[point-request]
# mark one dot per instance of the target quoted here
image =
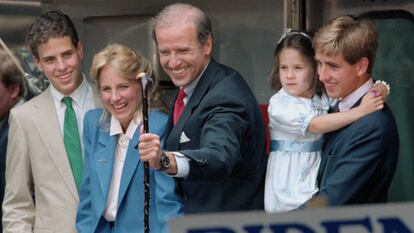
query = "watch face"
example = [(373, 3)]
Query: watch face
[(165, 161)]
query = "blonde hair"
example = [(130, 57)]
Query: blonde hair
[(354, 38), (128, 63)]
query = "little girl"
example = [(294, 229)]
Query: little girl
[(297, 120)]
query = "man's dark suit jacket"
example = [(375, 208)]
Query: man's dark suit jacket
[(359, 161), (221, 131), (4, 131)]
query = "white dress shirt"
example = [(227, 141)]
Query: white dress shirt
[(83, 100), (183, 165), (120, 154), (347, 102)]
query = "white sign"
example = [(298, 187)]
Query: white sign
[(387, 218)]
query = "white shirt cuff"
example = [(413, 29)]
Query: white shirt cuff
[(183, 165)]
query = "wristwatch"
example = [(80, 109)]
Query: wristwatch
[(164, 161)]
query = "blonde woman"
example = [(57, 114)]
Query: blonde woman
[(112, 192)]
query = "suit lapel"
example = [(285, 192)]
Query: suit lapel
[(358, 102), (170, 124), (3, 140), (104, 158), (200, 90), (325, 153), (331, 140), (4, 128), (130, 166), (46, 118)]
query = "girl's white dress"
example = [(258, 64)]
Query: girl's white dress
[(295, 153)]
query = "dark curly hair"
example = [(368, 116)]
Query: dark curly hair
[(50, 24)]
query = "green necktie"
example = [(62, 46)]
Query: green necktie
[(72, 141)]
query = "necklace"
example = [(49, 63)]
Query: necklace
[(123, 140)]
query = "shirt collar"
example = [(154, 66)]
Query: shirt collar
[(349, 101), (190, 88), (78, 96), (116, 127)]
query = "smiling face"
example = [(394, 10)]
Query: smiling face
[(60, 61), (338, 76), (296, 73), (121, 96), (182, 56)]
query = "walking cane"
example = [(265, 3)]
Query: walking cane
[(146, 83)]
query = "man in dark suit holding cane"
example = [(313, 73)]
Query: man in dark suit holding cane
[(216, 135)]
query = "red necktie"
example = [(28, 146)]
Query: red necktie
[(179, 105)]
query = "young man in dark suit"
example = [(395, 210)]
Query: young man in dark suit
[(216, 135), (359, 160)]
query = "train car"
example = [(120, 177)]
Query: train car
[(245, 34)]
